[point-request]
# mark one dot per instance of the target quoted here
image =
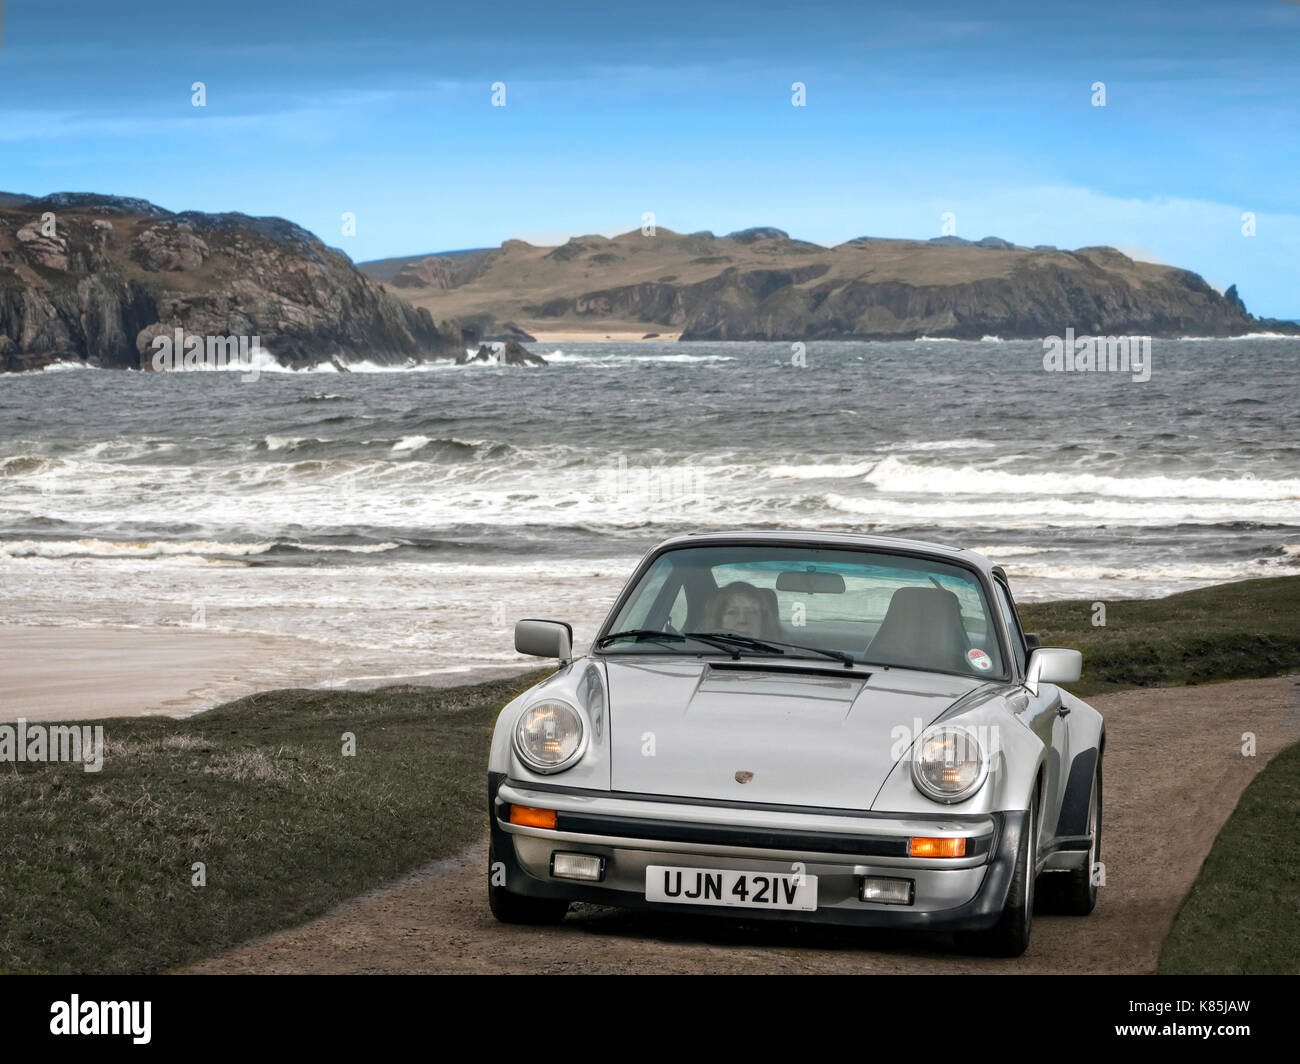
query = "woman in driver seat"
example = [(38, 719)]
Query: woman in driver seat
[(743, 609)]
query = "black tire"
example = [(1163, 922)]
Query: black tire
[(519, 908), (1010, 936), (1075, 893)]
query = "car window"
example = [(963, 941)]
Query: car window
[(884, 609), (677, 615), (1013, 623), (647, 594)]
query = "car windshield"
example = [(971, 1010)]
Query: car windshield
[(854, 606)]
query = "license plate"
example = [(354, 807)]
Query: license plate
[(717, 886)]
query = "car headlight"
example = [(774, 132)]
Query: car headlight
[(949, 764), (549, 736)]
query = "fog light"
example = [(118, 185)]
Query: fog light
[(918, 847), (887, 891), (530, 817), (577, 866)]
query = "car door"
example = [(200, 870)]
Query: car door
[(1046, 719)]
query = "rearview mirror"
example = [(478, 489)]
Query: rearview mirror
[(544, 639), (810, 582), (1053, 665)]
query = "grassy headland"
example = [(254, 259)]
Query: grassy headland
[(1227, 632)]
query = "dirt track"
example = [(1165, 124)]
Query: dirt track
[(1174, 772)]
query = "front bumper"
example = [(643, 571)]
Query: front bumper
[(633, 831)]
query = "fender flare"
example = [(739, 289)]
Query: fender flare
[(1073, 821)]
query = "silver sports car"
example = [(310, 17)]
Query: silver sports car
[(802, 726)]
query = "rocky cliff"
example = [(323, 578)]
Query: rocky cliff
[(96, 278), (759, 284)]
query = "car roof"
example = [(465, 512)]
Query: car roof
[(892, 544)]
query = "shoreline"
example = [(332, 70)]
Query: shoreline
[(61, 673)]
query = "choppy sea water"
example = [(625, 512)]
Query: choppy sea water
[(413, 515)]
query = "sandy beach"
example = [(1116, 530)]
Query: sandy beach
[(572, 336), (67, 673)]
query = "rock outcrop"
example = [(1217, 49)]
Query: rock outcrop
[(94, 279), (511, 353)]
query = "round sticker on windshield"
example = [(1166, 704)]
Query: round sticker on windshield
[(979, 659)]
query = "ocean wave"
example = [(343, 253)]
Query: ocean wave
[(1157, 573), (1037, 512), (286, 443), (1244, 336), (892, 475), (477, 366), (946, 445), (368, 366), (66, 367), (125, 450), (684, 358), (102, 548), (26, 465), (820, 471), (60, 563), (433, 482), (349, 548), (560, 357), (352, 451), (1015, 550)]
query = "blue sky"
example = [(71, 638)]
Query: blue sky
[(682, 109)]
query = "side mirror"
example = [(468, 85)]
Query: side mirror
[(545, 639), (1032, 641), (1053, 665)]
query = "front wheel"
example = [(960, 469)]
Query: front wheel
[(519, 908), (1010, 936)]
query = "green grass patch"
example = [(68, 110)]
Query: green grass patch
[(1227, 632), (96, 868), (1243, 913)]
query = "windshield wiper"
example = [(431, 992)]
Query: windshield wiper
[(727, 642), (649, 635), (776, 645)]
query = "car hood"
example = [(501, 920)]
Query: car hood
[(818, 738)]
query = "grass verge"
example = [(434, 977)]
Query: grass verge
[(1243, 912), (96, 869), (1228, 632)]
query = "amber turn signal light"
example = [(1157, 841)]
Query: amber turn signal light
[(918, 847), (529, 817)]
